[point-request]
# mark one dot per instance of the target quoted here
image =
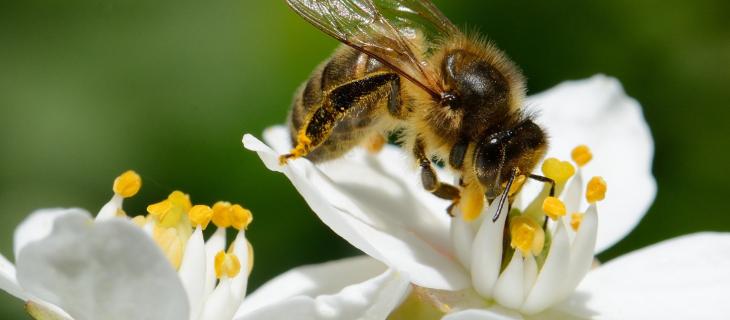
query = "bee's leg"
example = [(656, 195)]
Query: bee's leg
[(336, 104), (430, 180)]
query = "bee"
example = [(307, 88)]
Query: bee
[(403, 66)]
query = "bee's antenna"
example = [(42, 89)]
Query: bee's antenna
[(504, 196)]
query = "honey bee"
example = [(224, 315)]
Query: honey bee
[(404, 66)]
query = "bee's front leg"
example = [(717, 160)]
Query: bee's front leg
[(336, 104), (430, 180)]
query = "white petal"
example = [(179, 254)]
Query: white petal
[(597, 112), (372, 299), (216, 243), (221, 303), (192, 272), (581, 252), (40, 310), (37, 226), (681, 278), (486, 258), (530, 274), (573, 193), (549, 280), (103, 270), (110, 209), (509, 290), (493, 313), (462, 237), (313, 280), (378, 211), (8, 283), (240, 282)]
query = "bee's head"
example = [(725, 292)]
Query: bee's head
[(514, 151)]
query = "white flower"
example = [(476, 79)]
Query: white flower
[(377, 204), (70, 266)]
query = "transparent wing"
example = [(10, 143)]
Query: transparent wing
[(399, 33)]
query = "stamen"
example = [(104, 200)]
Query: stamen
[(581, 155), (170, 243), (553, 207), (240, 217), (127, 184), (472, 201), (226, 264), (575, 220), (221, 215), (517, 184), (596, 190), (527, 236), (169, 212), (560, 171), (200, 215)]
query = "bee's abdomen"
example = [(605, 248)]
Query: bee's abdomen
[(345, 65)]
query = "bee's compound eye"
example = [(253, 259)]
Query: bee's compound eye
[(448, 99)]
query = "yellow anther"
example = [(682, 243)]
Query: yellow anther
[(517, 184), (221, 214), (575, 220), (472, 201), (240, 217), (527, 235), (127, 184), (200, 215), (171, 244), (560, 171), (553, 207), (170, 211), (581, 155), (596, 190), (226, 265)]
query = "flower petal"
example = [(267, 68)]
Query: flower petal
[(240, 282), (682, 278), (372, 299), (486, 258), (509, 289), (38, 225), (103, 270), (493, 313), (550, 278), (581, 252), (377, 210), (216, 243), (192, 272), (40, 310), (8, 283), (597, 112), (313, 280), (221, 303)]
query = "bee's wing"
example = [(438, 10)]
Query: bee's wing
[(392, 31)]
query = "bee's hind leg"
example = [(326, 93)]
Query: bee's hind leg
[(430, 180), (336, 104)]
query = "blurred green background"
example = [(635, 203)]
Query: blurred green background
[(91, 88)]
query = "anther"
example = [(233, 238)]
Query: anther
[(200, 215), (169, 211), (553, 207), (226, 265), (527, 236), (575, 220), (596, 190), (581, 155), (517, 184), (221, 216), (240, 217), (127, 184), (472, 201), (559, 171)]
